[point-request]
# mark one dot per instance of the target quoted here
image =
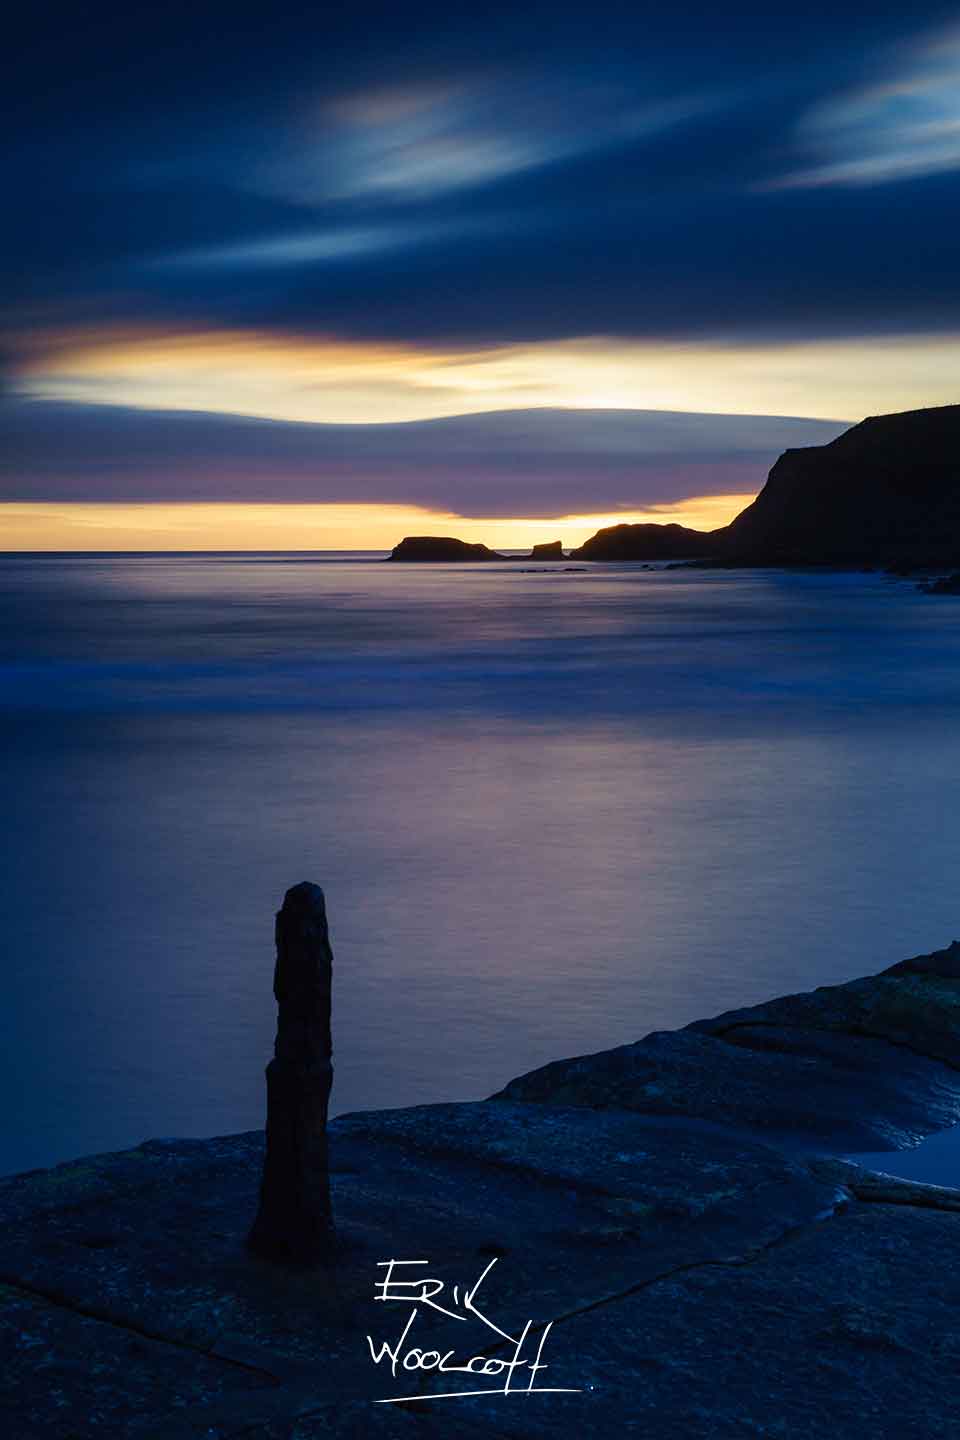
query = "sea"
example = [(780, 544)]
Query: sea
[(552, 808)]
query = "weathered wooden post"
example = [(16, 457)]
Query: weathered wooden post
[(295, 1221)]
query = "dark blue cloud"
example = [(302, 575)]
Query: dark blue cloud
[(517, 172)]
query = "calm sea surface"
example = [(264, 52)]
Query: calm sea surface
[(551, 811)]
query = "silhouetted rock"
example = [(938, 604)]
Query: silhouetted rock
[(647, 542), (948, 585), (885, 492), (420, 548), (294, 1222)]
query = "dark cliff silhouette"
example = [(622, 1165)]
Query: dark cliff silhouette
[(885, 492)]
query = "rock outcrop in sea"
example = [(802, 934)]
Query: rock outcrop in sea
[(420, 548), (676, 1228), (647, 542)]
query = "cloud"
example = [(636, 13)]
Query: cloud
[(513, 463), (322, 379), (502, 175), (323, 245), (904, 124), (414, 143)]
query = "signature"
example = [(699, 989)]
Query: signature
[(514, 1376)]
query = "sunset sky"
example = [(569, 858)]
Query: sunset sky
[(317, 277)]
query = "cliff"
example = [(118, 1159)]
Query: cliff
[(886, 492), (676, 1220)]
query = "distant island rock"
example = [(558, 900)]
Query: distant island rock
[(419, 548), (647, 542)]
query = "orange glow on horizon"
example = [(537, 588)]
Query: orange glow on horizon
[(219, 526), (335, 380)]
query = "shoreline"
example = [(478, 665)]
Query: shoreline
[(638, 1203)]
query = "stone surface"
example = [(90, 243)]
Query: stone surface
[(293, 1221), (574, 1208), (61, 1365), (549, 550), (844, 1329), (871, 1065), (672, 1219)]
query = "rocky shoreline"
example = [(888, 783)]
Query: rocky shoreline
[(883, 494), (678, 1220)]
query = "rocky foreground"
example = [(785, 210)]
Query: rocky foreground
[(679, 1212)]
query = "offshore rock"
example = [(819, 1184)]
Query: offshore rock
[(420, 548), (549, 550), (648, 542)]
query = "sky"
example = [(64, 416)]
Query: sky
[(318, 276)]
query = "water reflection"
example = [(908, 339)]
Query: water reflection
[(551, 812)]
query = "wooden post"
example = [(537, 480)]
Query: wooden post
[(294, 1223)]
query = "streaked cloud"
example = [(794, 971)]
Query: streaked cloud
[(328, 245), (903, 125), (412, 143), (485, 179)]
